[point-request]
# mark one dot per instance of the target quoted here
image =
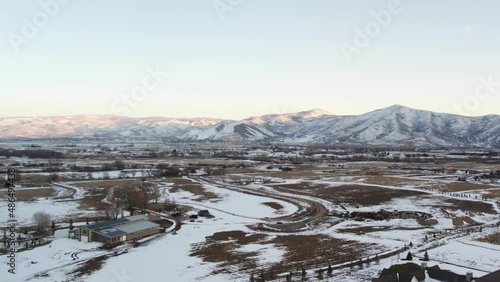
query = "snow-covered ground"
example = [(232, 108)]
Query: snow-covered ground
[(25, 210), (168, 256), (236, 203), (56, 256)]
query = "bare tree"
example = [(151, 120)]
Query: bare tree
[(153, 192), (113, 210), (53, 177), (42, 221)]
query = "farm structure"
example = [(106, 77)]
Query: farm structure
[(118, 230)]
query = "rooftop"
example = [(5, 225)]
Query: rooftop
[(115, 222)]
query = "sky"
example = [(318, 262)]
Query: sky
[(239, 58)]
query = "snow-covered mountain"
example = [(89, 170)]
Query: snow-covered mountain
[(395, 125)]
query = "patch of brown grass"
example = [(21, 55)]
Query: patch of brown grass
[(469, 220), (219, 248), (273, 205), (427, 222), (471, 206), (492, 193), (90, 266), (93, 198), (492, 238), (105, 183), (462, 186), (364, 229), (457, 221), (192, 187), (28, 194), (301, 251), (310, 250), (391, 181), (353, 194), (42, 180)]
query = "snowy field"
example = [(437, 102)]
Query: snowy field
[(235, 203), (25, 210), (56, 257), (169, 255)]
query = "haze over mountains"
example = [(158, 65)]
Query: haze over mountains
[(395, 125)]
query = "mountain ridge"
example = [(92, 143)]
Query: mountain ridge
[(394, 125)]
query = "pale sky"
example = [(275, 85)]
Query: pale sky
[(238, 58)]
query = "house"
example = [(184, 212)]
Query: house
[(411, 272), (118, 230), (173, 210), (439, 274), (204, 213), (492, 277)]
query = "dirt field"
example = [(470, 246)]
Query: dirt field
[(29, 194), (351, 194), (192, 187), (459, 186), (221, 246), (470, 206), (392, 181), (273, 205), (427, 222), (492, 193), (492, 239), (105, 183)]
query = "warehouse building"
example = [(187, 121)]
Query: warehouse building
[(118, 230)]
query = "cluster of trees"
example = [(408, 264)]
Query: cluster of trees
[(42, 154), (131, 196), (492, 174)]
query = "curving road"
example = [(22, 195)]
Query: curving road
[(303, 219)]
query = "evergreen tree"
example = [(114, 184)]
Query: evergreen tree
[(304, 273), (320, 274), (70, 224), (411, 244), (53, 224), (409, 256), (252, 279), (360, 263), (426, 256), (330, 270)]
